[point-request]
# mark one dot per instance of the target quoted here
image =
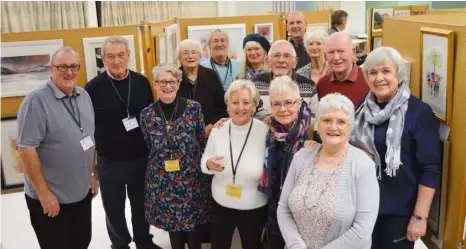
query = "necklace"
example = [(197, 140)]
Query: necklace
[(171, 118)]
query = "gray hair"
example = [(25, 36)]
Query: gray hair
[(188, 44), (209, 40), (167, 68), (64, 50), (282, 84), (383, 55), (279, 42), (117, 40), (243, 84), (314, 34), (337, 101)]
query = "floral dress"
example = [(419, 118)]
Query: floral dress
[(176, 200)]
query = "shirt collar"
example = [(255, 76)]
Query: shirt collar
[(58, 93), (113, 78), (353, 76)]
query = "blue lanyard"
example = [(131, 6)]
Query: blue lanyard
[(229, 69)]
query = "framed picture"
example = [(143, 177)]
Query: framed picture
[(236, 34), (25, 65), (377, 18), (418, 13), (322, 26), (12, 168), (264, 29), (406, 12), (376, 42), (173, 38), (437, 51), (160, 41), (93, 55)]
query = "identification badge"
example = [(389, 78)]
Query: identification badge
[(86, 143), (172, 165), (233, 191), (130, 123)]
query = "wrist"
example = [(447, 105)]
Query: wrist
[(420, 217)]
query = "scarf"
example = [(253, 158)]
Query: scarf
[(250, 73), (369, 114)]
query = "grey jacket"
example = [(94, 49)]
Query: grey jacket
[(356, 207)]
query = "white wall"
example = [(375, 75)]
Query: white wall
[(244, 8), (356, 16)]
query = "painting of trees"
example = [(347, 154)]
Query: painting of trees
[(434, 58)]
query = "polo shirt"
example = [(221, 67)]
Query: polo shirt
[(354, 87), (226, 77), (45, 123)]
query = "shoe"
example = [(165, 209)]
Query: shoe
[(151, 245)]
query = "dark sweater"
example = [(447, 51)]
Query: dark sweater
[(303, 57), (112, 139)]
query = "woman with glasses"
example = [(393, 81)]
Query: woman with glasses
[(330, 197), (176, 199)]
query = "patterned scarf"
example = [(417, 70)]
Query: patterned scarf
[(250, 73), (369, 114)]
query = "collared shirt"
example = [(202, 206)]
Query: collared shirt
[(45, 123), (222, 72), (353, 76), (113, 78)]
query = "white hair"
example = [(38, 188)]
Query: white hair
[(383, 55), (64, 50), (209, 40), (314, 34), (238, 85), (282, 84), (117, 40), (167, 68), (279, 42), (188, 44), (337, 101)]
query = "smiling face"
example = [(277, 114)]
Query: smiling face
[(67, 80), (254, 53), (240, 106), (340, 53), (282, 61), (189, 57), (116, 58), (296, 25), (334, 127), (285, 106), (218, 44), (166, 86), (383, 81), (315, 48)]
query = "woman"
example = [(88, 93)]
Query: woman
[(235, 156), (330, 197), (400, 132), (200, 84), (314, 42), (254, 60), (173, 128)]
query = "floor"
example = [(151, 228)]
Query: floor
[(17, 233)]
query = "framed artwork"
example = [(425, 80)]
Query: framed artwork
[(93, 55), (173, 38), (418, 13), (377, 18), (236, 34), (160, 48), (376, 42), (437, 52), (406, 12), (322, 26), (25, 65), (264, 29), (12, 168)]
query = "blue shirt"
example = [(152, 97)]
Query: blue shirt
[(226, 75)]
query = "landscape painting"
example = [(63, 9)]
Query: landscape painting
[(12, 168), (378, 16)]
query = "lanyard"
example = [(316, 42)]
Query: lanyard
[(118, 93), (229, 69), (233, 166), (71, 112)]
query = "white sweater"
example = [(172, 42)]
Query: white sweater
[(249, 168)]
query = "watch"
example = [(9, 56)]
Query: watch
[(417, 217)]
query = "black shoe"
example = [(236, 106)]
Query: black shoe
[(151, 245)]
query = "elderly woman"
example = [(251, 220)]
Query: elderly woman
[(173, 128), (235, 156), (400, 132), (200, 84), (330, 197), (254, 61), (314, 41)]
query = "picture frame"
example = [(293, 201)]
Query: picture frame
[(25, 65), (264, 29), (321, 26), (236, 34), (403, 12), (378, 16), (173, 39), (437, 64), (160, 48), (93, 55), (376, 42), (12, 171)]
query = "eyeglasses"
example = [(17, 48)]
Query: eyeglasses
[(164, 83), (277, 56), (63, 68), (340, 123), (287, 104)]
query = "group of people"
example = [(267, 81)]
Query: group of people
[(294, 147)]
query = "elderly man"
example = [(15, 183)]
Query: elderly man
[(56, 146), (346, 77), (282, 61), (339, 18), (226, 68), (118, 96), (296, 27)]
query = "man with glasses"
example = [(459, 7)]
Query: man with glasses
[(56, 145), (118, 96), (282, 61)]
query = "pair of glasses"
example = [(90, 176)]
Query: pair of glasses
[(277, 56), (63, 68), (287, 104), (340, 123), (164, 83)]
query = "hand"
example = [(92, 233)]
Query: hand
[(220, 122), (94, 186), (49, 203), (416, 229), (214, 164), (268, 120), (208, 129), (310, 143)]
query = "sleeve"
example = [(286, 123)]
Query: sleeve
[(319, 88), (367, 209), (200, 128), (144, 128), (31, 122), (209, 151), (285, 219), (220, 107)]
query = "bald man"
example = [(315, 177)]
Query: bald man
[(346, 77), (296, 27)]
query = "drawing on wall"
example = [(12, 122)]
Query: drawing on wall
[(264, 29), (402, 12), (236, 34), (93, 55), (173, 38), (25, 65), (12, 168), (378, 16), (321, 26)]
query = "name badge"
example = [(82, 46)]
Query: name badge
[(235, 192), (86, 143), (130, 123), (172, 165)]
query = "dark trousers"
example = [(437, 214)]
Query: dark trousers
[(178, 240), (275, 241), (250, 224), (70, 229), (115, 178), (388, 228)]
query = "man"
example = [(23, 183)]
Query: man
[(118, 96), (226, 68), (339, 18), (346, 77), (282, 61), (296, 27), (56, 146)]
